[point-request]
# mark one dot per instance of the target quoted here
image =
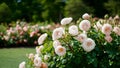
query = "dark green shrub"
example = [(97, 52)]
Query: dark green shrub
[(5, 12)]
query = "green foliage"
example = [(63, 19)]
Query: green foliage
[(55, 10), (5, 12), (98, 5), (113, 6), (75, 8), (28, 10), (52, 9)]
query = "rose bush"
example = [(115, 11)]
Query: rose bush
[(22, 34), (89, 43)]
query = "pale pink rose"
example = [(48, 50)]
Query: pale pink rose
[(81, 37), (42, 38), (6, 37), (110, 18), (56, 43), (73, 30), (31, 56), (116, 17), (106, 29), (22, 65), (108, 38), (86, 16), (25, 28), (38, 34), (58, 33), (117, 30), (60, 50), (35, 42), (88, 45), (37, 62), (42, 27), (12, 30), (8, 32), (65, 21), (39, 49), (18, 27), (44, 65), (84, 25), (32, 34), (25, 40), (22, 32)]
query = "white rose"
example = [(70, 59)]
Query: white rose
[(65, 21), (73, 30)]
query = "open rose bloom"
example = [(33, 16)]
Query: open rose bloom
[(73, 30), (42, 38), (65, 21), (117, 30), (60, 50), (108, 38), (88, 45), (81, 37), (86, 16), (84, 25), (106, 29), (58, 33), (37, 62)]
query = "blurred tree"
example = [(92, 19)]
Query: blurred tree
[(5, 12), (28, 10), (52, 9), (35, 10), (76, 8), (98, 5), (24, 9), (113, 6)]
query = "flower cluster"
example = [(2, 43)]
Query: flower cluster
[(22, 33), (88, 44), (35, 58)]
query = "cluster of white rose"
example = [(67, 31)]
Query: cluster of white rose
[(88, 44), (107, 28), (36, 59)]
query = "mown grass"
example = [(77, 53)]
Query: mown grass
[(11, 57)]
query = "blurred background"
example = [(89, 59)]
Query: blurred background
[(55, 10)]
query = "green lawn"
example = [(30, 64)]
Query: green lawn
[(11, 57)]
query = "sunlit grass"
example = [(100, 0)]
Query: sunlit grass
[(11, 57)]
